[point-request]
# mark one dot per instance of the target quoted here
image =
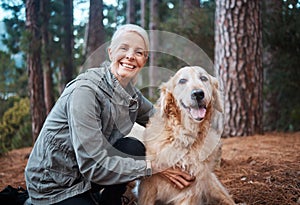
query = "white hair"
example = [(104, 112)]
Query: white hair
[(130, 28)]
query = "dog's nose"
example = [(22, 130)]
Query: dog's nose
[(197, 95)]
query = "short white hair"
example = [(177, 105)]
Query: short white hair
[(130, 28)]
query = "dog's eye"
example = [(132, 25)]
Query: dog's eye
[(182, 81), (203, 78)]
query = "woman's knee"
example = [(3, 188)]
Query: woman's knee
[(130, 145)]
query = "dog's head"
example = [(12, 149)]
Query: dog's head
[(193, 91)]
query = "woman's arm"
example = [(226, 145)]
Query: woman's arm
[(91, 146)]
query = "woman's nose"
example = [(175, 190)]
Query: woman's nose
[(130, 55)]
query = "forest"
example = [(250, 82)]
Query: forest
[(252, 46), (255, 54)]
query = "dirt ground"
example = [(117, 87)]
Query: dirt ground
[(261, 169)]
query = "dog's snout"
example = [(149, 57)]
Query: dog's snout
[(197, 94)]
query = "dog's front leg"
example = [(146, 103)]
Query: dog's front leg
[(218, 192), (186, 202), (147, 192)]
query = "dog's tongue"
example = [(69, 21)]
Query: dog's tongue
[(198, 113)]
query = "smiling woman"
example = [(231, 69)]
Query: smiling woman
[(88, 125), (128, 53)]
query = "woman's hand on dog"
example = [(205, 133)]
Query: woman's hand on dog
[(177, 176)]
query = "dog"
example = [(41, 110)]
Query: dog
[(184, 133)]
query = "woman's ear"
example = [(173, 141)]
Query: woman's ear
[(110, 54), (146, 56)]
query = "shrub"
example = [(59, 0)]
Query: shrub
[(15, 126)]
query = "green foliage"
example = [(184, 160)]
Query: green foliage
[(78, 48), (198, 27), (13, 80), (7, 68), (282, 37), (14, 25), (6, 103), (15, 126)]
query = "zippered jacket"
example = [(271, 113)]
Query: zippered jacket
[(74, 147)]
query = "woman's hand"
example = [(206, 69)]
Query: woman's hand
[(178, 177)]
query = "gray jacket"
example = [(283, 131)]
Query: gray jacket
[(74, 146)]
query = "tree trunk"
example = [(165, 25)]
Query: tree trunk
[(143, 13), (95, 30), (67, 72), (130, 12), (48, 81), (153, 25), (189, 7), (238, 61), (35, 73)]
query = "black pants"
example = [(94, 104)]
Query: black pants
[(112, 194)]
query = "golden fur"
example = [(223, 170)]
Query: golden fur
[(180, 134)]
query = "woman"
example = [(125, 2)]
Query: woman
[(73, 156)]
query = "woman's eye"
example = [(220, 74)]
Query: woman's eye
[(203, 78), (139, 53), (182, 81), (123, 48)]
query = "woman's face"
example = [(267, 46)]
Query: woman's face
[(127, 56)]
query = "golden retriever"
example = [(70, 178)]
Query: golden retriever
[(182, 133)]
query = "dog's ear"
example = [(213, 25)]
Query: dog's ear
[(163, 99), (218, 99), (166, 101)]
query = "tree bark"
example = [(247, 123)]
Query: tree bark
[(35, 73), (143, 13), (130, 12), (187, 9), (153, 25), (238, 61), (48, 81), (95, 34), (68, 42)]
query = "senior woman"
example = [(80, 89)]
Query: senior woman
[(81, 148)]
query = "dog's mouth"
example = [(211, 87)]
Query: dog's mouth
[(197, 111)]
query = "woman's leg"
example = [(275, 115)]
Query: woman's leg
[(132, 148), (81, 199)]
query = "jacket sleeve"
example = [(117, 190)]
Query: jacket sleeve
[(90, 145)]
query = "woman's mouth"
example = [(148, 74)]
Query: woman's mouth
[(128, 65)]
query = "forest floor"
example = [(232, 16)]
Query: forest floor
[(260, 169)]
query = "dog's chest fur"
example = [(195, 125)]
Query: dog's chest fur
[(179, 147)]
